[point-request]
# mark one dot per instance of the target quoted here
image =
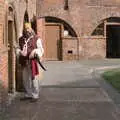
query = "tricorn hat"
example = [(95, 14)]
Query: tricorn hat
[(27, 25)]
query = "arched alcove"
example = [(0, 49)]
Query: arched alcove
[(99, 30), (61, 40)]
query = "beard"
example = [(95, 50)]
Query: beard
[(28, 34)]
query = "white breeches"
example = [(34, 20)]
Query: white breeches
[(32, 87)]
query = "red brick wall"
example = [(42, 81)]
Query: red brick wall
[(70, 48), (83, 16), (41, 27), (3, 58), (41, 31), (92, 47), (89, 48), (4, 70), (3, 48)]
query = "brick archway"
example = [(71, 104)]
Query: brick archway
[(57, 34)]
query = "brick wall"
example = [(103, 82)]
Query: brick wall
[(3, 49), (41, 28), (70, 48), (83, 16), (89, 48), (3, 59), (92, 47), (19, 7), (41, 31)]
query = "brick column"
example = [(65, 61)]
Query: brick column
[(41, 31)]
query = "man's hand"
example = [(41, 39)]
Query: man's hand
[(18, 51)]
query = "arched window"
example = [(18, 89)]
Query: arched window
[(99, 30)]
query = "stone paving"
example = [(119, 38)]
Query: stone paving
[(69, 91)]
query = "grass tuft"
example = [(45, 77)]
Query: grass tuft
[(113, 77)]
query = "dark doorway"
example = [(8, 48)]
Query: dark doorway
[(113, 41)]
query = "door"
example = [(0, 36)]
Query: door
[(53, 41)]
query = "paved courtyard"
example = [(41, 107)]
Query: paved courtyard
[(70, 91)]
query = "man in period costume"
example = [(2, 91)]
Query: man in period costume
[(30, 49)]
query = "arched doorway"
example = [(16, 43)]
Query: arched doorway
[(56, 30)]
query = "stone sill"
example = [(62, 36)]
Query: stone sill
[(105, 5), (86, 37), (94, 37), (69, 38)]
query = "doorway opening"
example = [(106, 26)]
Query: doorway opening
[(113, 41)]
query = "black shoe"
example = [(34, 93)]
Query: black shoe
[(34, 100), (25, 98)]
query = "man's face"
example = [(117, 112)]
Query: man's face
[(27, 32), (28, 29)]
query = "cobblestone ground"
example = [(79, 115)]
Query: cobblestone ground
[(65, 104), (69, 92)]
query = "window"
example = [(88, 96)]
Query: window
[(66, 7), (99, 30)]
